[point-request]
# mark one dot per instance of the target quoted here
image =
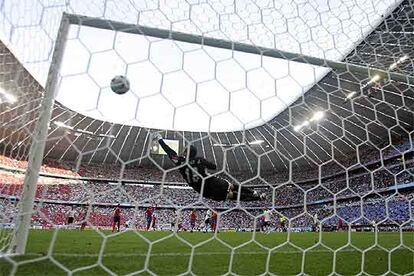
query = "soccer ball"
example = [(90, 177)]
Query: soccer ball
[(120, 85)]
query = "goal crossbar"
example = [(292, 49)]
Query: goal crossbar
[(235, 46)]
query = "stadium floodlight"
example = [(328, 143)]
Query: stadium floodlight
[(403, 58), (297, 128), (302, 125), (9, 97), (399, 61), (351, 95), (62, 125), (318, 115), (100, 135), (228, 145), (305, 123), (78, 131), (393, 66), (256, 142), (375, 78)]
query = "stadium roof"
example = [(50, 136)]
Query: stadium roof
[(181, 86), (349, 119)]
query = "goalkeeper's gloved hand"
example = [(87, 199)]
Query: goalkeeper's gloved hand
[(157, 136)]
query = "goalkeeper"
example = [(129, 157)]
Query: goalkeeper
[(194, 171)]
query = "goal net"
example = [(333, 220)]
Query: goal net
[(308, 103)]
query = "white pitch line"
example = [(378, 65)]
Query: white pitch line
[(189, 254)]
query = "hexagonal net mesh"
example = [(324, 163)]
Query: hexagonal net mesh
[(301, 115)]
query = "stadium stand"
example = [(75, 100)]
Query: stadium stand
[(62, 186)]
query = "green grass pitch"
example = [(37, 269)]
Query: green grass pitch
[(50, 252)]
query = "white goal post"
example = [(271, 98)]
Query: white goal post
[(37, 147)]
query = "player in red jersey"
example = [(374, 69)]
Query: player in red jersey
[(340, 225), (148, 216), (154, 221), (214, 221), (193, 219), (117, 219)]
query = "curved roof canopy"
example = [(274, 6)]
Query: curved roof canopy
[(181, 86)]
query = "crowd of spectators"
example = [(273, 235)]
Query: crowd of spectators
[(366, 155), (289, 194), (55, 195), (96, 171), (394, 210), (136, 194), (49, 166)]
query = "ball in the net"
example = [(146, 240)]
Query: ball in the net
[(120, 85)]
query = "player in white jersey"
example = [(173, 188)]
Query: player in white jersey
[(129, 224), (315, 226), (207, 220), (178, 224), (71, 216)]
